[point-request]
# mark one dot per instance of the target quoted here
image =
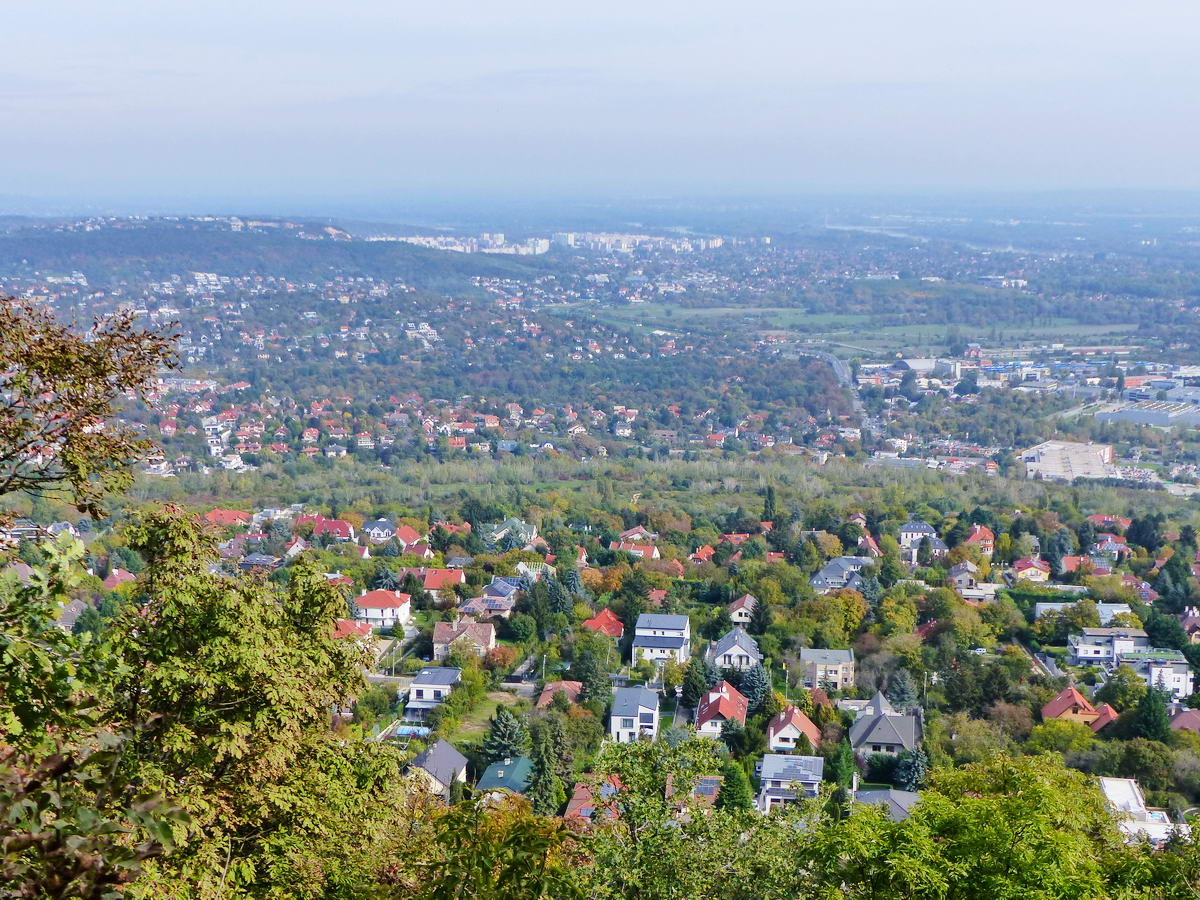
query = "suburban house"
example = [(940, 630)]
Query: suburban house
[(486, 607), (227, 518), (1031, 569), (429, 688), (639, 534), (634, 714), (982, 537), (839, 573), (787, 778), (1167, 670), (827, 669), (1136, 821), (898, 804), (964, 575), (512, 530), (592, 797), (734, 650), (606, 622), (480, 637), (1103, 645), (442, 766), (382, 609), (913, 532), (570, 689), (724, 703), (880, 729), (346, 628), (338, 529), (1074, 707), (741, 610), (658, 637), (786, 727), (641, 551), (506, 776), (379, 530)]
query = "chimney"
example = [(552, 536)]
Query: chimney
[(508, 760)]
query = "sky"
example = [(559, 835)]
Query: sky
[(215, 100)]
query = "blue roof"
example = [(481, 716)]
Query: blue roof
[(508, 775)]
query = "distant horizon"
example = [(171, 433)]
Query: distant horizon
[(896, 200), (138, 102)]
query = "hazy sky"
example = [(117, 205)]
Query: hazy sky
[(280, 98)]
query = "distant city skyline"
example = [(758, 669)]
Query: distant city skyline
[(276, 102)]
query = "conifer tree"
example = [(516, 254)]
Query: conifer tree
[(506, 737)]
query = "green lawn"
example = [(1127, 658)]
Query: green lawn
[(475, 725)]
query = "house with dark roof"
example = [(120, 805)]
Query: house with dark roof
[(838, 573), (785, 778), (898, 804), (658, 637), (379, 531), (429, 689), (441, 766), (634, 715), (734, 650), (506, 776), (879, 729)]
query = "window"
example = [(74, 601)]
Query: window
[(420, 693), (646, 718), (627, 723), (875, 748)]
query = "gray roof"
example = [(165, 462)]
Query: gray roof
[(884, 729), (736, 637), (380, 524), (879, 704), (662, 622), (898, 804), (438, 675), (918, 527), (826, 657), (785, 767), (658, 642), (441, 760), (630, 700)]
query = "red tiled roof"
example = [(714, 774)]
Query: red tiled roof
[(1107, 714), (347, 628), (606, 622), (793, 715), (1064, 702), (226, 517), (570, 688), (725, 701), (381, 599)]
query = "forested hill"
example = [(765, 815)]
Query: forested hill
[(161, 249)]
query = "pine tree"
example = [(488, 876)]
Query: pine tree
[(506, 737), (902, 690), (841, 765), (735, 789), (545, 792), (769, 509), (712, 674), (694, 684), (559, 597), (755, 686), (760, 617), (911, 769), (1150, 718)]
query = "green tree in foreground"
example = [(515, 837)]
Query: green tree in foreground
[(735, 788), (58, 386)]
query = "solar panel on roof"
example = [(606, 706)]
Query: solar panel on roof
[(706, 789)]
